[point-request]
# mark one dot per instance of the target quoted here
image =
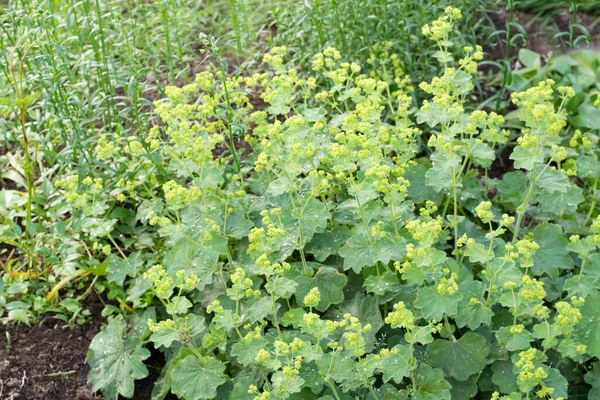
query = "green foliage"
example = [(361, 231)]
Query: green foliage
[(295, 235), (373, 31), (116, 361), (337, 259)]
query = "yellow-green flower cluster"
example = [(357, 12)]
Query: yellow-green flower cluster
[(441, 28), (425, 230), (536, 109), (215, 307), (106, 249), (527, 247), (530, 375), (106, 148), (447, 285), (265, 240), (532, 289), (326, 60), (275, 57), (160, 280), (165, 325), (581, 139), (386, 67), (401, 317), (177, 196), (429, 209), (469, 62), (267, 268), (568, 315), (241, 286), (483, 211), (313, 298), (353, 335)]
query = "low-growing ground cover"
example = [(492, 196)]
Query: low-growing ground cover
[(335, 228)]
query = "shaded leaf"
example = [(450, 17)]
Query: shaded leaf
[(459, 358), (191, 380)]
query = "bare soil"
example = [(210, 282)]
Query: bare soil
[(46, 361)]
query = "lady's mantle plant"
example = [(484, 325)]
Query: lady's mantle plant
[(360, 250)]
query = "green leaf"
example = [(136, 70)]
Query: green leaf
[(343, 368), (483, 155), (246, 350), (440, 175), (115, 361), (478, 253), (593, 378), (558, 382), (460, 358), (471, 314), (500, 272), (380, 284), (166, 336), (293, 317), (552, 255), (312, 217), (418, 190), (587, 167), (281, 287), (327, 243), (191, 380), (237, 226), (314, 114), (526, 158), (258, 310), (312, 377), (463, 389), (433, 116), (430, 384), (530, 59), (397, 365), (329, 282), (553, 181), (184, 255), (504, 376), (361, 250), (434, 305), (587, 117), (285, 385), (211, 249), (118, 268), (443, 57), (19, 315), (588, 329), (513, 188), (514, 341), (178, 305), (242, 382), (575, 286), (559, 203), (548, 332), (420, 334)]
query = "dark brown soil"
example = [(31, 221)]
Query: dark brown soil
[(47, 360), (541, 32)]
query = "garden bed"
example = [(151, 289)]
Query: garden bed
[(48, 360)]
